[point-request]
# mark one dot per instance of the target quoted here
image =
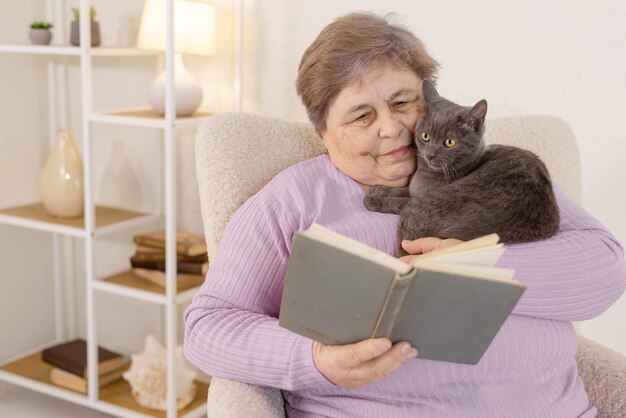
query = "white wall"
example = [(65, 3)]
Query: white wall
[(563, 58), (557, 57)]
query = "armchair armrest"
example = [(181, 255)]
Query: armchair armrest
[(232, 399), (603, 372)]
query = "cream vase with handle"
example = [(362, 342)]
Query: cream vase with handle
[(61, 179)]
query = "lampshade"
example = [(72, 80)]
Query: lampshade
[(194, 27)]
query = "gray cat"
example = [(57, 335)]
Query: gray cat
[(463, 189)]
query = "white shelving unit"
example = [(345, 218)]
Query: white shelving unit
[(27, 369)]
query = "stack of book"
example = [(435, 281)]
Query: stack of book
[(192, 262), (70, 365)]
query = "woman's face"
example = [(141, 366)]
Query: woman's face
[(370, 125)]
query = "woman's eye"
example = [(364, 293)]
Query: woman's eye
[(362, 117), (400, 104), (450, 142), (425, 137)]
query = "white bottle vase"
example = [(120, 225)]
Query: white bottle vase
[(61, 179)]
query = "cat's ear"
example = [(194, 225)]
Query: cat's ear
[(429, 92), (476, 115)]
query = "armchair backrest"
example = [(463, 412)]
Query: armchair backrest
[(238, 153)]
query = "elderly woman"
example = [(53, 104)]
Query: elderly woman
[(360, 82)]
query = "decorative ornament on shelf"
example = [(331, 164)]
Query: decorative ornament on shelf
[(39, 33), (194, 33), (148, 377), (75, 28), (61, 179)]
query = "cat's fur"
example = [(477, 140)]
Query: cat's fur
[(468, 190)]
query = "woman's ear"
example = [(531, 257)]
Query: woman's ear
[(325, 142)]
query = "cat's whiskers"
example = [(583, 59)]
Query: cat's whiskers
[(455, 173), (444, 170), (449, 172)]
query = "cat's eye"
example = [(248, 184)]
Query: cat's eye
[(425, 137), (449, 142)]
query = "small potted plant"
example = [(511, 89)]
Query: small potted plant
[(40, 33), (75, 28)]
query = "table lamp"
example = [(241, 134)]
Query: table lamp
[(194, 33)]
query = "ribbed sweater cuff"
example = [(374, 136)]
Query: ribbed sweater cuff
[(303, 372)]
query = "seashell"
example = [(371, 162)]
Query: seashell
[(148, 377)]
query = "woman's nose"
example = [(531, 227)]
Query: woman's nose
[(389, 126)]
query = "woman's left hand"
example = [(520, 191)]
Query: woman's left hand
[(425, 245)]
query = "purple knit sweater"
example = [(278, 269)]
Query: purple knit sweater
[(528, 371)]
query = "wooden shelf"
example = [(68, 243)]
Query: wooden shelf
[(147, 117), (130, 285), (117, 393), (131, 280), (35, 216), (151, 114)]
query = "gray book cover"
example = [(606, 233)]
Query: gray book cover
[(335, 296), (332, 296), (454, 318)]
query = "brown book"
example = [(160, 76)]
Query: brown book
[(181, 266), (69, 380), (71, 356), (144, 249), (186, 242), (159, 255), (158, 277)]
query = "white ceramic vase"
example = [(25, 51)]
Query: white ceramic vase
[(61, 179), (188, 94)]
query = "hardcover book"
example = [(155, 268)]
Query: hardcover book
[(71, 356), (146, 250), (186, 242), (158, 254), (71, 381), (188, 267), (449, 303)]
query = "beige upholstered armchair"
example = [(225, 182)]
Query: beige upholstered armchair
[(236, 154)]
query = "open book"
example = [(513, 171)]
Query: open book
[(449, 303)]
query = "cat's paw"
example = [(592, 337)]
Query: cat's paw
[(380, 191), (373, 203), (374, 200)]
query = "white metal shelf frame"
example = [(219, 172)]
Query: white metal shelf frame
[(89, 232), (77, 232), (73, 51)]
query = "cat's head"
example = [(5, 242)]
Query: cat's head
[(448, 137)]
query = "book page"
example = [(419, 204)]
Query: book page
[(476, 257), (355, 247), (479, 272), (476, 246)]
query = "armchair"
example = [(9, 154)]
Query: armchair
[(237, 153)]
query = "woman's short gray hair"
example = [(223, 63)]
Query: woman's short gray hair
[(346, 47)]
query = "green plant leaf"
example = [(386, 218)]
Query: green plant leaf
[(41, 25), (76, 12)]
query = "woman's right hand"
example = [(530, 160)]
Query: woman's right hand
[(362, 363)]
